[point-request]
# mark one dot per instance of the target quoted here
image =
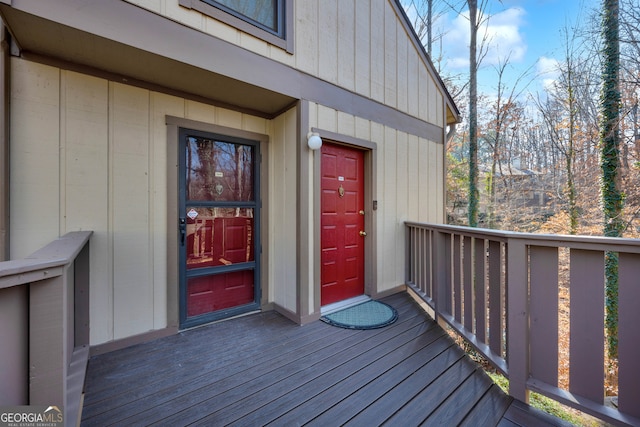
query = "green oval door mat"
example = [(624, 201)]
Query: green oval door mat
[(368, 315)]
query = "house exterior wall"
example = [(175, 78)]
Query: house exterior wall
[(90, 151), (92, 155), (341, 42)]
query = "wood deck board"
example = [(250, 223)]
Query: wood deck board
[(357, 386), (488, 410), (275, 383), (263, 369), (188, 377)]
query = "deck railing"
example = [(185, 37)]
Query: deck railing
[(45, 326), (500, 290)]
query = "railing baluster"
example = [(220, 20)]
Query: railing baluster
[(586, 349), (496, 298), (428, 285), (628, 324), (544, 313), (457, 278), (480, 289), (467, 278)]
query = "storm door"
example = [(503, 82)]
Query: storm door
[(218, 227)]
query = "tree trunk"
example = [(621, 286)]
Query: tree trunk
[(610, 143), (473, 116)]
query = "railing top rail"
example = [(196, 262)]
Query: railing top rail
[(615, 244), (58, 253)]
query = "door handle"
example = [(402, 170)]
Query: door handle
[(363, 233), (183, 230)]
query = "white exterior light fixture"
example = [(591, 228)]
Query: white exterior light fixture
[(314, 141)]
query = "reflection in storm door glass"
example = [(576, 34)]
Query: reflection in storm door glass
[(219, 171), (219, 236)]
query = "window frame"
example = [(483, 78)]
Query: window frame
[(283, 38)]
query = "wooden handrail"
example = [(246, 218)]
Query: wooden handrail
[(51, 324), (499, 290)]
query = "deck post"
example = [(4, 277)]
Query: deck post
[(517, 319), (48, 341)]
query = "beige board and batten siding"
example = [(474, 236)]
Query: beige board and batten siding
[(409, 184), (92, 155), (283, 194), (360, 45)]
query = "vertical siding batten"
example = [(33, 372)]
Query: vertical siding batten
[(402, 203)]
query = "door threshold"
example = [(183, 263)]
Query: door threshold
[(340, 305)]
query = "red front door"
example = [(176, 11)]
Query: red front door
[(342, 223)]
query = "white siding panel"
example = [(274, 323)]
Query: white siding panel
[(426, 189), (439, 118), (34, 156), (228, 118), (327, 40), (402, 82), (377, 49), (413, 70), (307, 36), (222, 30), (435, 103), (440, 186), (254, 44), (363, 47), (424, 92), (413, 185), (160, 106), (434, 182), (202, 113), (346, 124), (363, 129), (346, 45), (85, 138), (402, 204), (132, 287), (153, 5), (327, 118), (389, 211), (255, 124), (283, 229), (390, 57)]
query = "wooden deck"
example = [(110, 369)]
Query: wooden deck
[(263, 369)]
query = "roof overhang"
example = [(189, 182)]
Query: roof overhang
[(59, 37), (130, 44)]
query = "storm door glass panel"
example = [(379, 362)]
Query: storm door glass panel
[(219, 236), (219, 217), (219, 171)]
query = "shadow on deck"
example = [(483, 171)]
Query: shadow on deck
[(263, 369)]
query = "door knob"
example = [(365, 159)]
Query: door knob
[(363, 233)]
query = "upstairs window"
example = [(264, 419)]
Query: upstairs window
[(265, 14), (270, 20)]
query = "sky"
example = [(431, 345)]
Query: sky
[(528, 32)]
